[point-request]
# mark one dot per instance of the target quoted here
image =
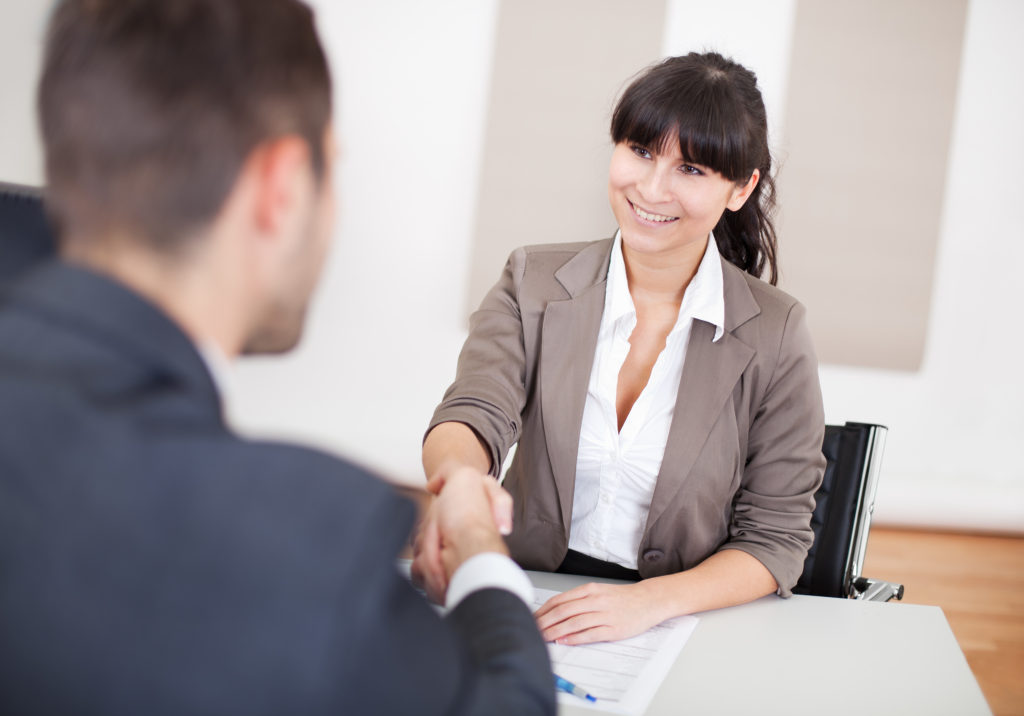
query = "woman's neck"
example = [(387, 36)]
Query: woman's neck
[(662, 278)]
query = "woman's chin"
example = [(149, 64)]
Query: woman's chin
[(657, 242)]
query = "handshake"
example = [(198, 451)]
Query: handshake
[(468, 516)]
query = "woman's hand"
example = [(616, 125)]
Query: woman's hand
[(600, 612), (500, 500), (434, 538), (606, 612), (427, 569)]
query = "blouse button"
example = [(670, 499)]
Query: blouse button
[(653, 555)]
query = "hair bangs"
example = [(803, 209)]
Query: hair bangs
[(713, 108), (701, 116)]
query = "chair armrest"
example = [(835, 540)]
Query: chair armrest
[(876, 590)]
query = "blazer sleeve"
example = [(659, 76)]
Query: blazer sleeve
[(489, 391), (485, 657), (784, 463)]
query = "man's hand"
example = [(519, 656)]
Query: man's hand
[(467, 518)]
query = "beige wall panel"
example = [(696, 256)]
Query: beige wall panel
[(558, 69), (868, 122)]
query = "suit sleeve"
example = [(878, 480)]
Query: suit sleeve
[(489, 391), (772, 509), (485, 657)]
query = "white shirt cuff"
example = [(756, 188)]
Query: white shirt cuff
[(485, 570)]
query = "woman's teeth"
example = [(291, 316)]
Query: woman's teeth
[(651, 217)]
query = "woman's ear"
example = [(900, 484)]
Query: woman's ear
[(742, 192)]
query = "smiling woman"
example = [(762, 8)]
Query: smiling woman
[(664, 398), (706, 115), (667, 204)]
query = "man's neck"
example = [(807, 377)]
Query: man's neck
[(188, 290)]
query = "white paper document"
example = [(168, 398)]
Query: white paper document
[(622, 675)]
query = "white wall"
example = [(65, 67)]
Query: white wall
[(21, 42), (756, 33), (387, 323), (957, 425)]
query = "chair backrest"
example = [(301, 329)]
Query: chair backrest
[(25, 235), (842, 510)]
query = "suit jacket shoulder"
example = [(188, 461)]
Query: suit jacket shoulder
[(154, 562), (546, 272)]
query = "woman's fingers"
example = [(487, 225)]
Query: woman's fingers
[(589, 636), (501, 504), (427, 567), (563, 598), (435, 484), (573, 625), (501, 501), (598, 612), (555, 617)]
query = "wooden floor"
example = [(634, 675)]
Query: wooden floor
[(979, 583)]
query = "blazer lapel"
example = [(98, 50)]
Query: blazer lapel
[(569, 338), (710, 373)]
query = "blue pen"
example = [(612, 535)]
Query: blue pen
[(571, 688)]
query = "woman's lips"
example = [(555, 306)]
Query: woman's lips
[(651, 217)]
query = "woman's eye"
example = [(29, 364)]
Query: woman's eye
[(690, 169), (640, 151)]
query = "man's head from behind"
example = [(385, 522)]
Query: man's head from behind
[(164, 120)]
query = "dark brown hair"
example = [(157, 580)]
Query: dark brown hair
[(149, 108), (713, 107)]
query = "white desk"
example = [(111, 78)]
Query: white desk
[(816, 656)]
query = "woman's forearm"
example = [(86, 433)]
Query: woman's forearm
[(450, 446), (724, 579), (607, 612)]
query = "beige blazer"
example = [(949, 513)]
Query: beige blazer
[(743, 457)]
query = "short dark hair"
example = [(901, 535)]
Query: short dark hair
[(714, 108), (149, 108)]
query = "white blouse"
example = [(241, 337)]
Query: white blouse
[(616, 472)]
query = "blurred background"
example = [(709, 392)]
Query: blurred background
[(469, 127)]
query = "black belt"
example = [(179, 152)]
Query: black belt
[(587, 566)]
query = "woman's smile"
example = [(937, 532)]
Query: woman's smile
[(650, 217), (662, 201)]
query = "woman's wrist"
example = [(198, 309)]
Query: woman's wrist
[(450, 446), (666, 595)]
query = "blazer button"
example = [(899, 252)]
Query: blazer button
[(653, 555)]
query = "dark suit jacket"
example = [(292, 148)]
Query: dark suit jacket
[(151, 562), (25, 236), (743, 457)]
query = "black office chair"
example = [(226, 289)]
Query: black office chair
[(842, 516), (25, 234)]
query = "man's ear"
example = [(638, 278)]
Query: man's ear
[(280, 170), (741, 193)]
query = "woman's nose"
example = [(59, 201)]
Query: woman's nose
[(654, 185)]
